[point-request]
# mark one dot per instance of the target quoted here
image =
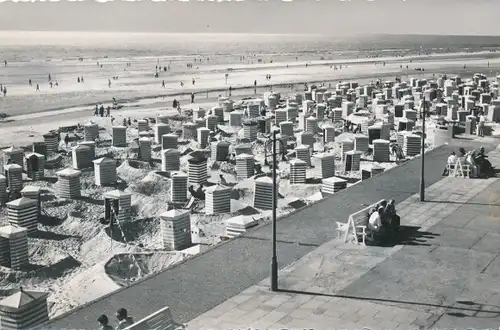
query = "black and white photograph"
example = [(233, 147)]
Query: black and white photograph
[(249, 164)]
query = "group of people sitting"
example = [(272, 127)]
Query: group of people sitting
[(479, 165), (383, 220)]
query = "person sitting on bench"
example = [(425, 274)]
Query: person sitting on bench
[(484, 165), (470, 160), (452, 160), (375, 208), (375, 222), (392, 219)]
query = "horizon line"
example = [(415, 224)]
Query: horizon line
[(251, 33)]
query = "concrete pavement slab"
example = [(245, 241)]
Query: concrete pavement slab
[(395, 287)]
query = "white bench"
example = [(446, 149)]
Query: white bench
[(357, 225), (160, 320), (459, 169)]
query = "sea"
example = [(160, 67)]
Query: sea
[(24, 46), (132, 59)]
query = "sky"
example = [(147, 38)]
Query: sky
[(332, 17)]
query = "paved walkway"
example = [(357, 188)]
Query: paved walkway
[(197, 285), (443, 275)]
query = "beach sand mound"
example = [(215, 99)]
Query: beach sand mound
[(150, 195), (127, 268), (130, 171), (80, 288)]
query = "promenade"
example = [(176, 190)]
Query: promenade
[(199, 284), (443, 274)]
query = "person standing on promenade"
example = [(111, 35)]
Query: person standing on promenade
[(104, 322), (192, 97), (123, 319)]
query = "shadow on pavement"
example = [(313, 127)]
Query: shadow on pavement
[(491, 312), (407, 235), (462, 203)]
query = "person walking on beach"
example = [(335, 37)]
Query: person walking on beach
[(66, 140), (37, 87), (192, 97), (104, 322), (81, 79), (4, 91), (108, 111), (96, 111), (230, 90), (78, 80), (29, 82), (101, 110), (194, 81), (163, 83), (50, 78), (182, 84), (109, 83), (50, 83)]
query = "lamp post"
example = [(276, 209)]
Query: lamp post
[(422, 155), (274, 258)]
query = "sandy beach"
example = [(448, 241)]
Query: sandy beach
[(76, 258), (32, 113)]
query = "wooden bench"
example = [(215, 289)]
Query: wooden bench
[(357, 225), (160, 320), (459, 169)]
